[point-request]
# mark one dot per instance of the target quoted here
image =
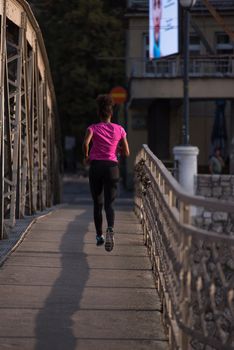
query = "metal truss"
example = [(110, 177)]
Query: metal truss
[(29, 142)]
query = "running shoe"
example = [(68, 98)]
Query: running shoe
[(100, 240), (109, 243)]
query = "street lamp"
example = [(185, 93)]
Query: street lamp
[(186, 4), (186, 155)]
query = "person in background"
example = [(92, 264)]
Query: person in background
[(216, 162), (107, 140)]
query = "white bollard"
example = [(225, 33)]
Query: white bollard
[(186, 160)]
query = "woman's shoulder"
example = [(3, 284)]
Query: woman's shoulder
[(117, 126), (93, 126)]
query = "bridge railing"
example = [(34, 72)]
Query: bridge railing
[(194, 268), (29, 142)]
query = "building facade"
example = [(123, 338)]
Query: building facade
[(155, 87)]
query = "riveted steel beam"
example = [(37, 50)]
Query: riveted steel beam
[(29, 144)]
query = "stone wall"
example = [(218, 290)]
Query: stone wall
[(216, 186), (216, 253), (219, 187)]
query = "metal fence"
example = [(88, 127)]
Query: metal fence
[(29, 142), (194, 268), (213, 67)]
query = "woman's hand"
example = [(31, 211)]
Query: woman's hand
[(85, 147), (86, 160)]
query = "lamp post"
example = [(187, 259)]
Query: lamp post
[(186, 4), (186, 155)]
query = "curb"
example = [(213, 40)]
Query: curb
[(15, 244)]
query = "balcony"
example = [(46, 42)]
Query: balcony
[(210, 78), (207, 67)]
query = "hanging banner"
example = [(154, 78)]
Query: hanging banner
[(163, 28)]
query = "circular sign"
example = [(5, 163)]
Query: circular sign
[(119, 95)]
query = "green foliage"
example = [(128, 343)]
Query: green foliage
[(82, 38)]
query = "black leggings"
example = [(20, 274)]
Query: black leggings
[(103, 182)]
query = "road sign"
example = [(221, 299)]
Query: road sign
[(119, 95)]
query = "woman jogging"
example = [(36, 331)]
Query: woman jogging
[(107, 140)]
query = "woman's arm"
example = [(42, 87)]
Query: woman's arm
[(124, 147), (86, 142)]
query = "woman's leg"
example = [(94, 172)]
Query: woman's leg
[(96, 188), (111, 180)]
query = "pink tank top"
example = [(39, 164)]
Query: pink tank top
[(106, 137)]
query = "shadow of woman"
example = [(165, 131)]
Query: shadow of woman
[(54, 325)]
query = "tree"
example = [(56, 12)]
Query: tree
[(79, 37)]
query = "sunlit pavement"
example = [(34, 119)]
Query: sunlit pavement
[(60, 291)]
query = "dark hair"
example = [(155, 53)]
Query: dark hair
[(105, 106)]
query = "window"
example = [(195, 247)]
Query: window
[(137, 3), (153, 67), (224, 47), (148, 64), (194, 44), (146, 46), (223, 44)]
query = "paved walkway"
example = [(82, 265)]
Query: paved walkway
[(58, 291)]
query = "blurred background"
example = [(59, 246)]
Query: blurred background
[(85, 44)]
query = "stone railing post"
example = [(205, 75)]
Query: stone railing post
[(186, 156)]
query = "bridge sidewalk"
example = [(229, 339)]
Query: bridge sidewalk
[(58, 291)]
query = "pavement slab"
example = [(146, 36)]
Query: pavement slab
[(59, 291)]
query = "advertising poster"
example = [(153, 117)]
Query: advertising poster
[(163, 28)]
